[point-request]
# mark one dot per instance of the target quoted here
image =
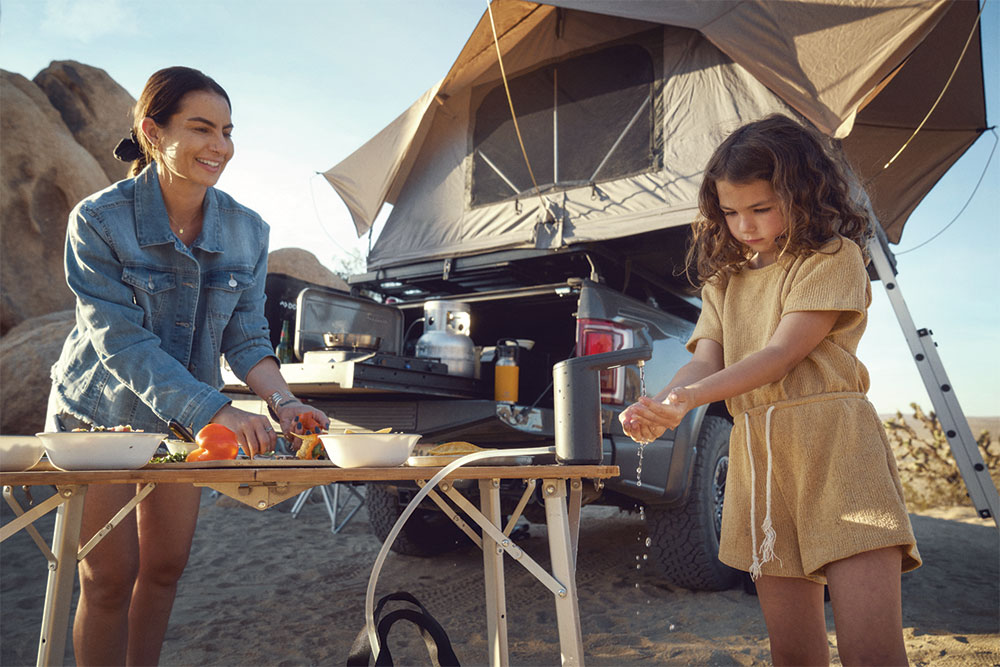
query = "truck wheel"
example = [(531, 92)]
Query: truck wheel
[(426, 533), (685, 539)]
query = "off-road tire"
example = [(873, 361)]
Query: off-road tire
[(426, 533), (685, 538)]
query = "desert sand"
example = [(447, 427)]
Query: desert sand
[(264, 588)]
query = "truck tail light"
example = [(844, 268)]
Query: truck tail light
[(597, 336)]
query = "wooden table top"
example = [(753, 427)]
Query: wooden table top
[(288, 472)]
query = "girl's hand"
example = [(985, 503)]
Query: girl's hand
[(253, 432), (290, 410), (647, 419)]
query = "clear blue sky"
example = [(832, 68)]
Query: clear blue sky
[(311, 80)]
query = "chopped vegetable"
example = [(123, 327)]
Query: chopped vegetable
[(307, 429), (178, 457)]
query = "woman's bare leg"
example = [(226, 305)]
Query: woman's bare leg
[(867, 607), (166, 523), (796, 621), (107, 574)]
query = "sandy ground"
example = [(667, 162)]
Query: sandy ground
[(264, 588)]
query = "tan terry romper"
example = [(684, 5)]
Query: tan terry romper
[(811, 476)]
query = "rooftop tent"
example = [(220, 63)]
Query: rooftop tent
[(619, 107)]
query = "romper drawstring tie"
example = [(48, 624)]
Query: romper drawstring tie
[(767, 546)]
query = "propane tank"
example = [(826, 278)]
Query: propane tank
[(447, 336)]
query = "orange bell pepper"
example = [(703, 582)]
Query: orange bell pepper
[(308, 429), (215, 443)]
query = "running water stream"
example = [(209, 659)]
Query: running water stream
[(643, 556), (645, 542)]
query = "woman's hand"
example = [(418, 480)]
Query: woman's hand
[(287, 412), (647, 419), (254, 432)]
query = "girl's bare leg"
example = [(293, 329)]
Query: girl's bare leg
[(865, 593), (795, 618), (107, 574), (166, 523)]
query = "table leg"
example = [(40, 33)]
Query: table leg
[(564, 570), (496, 601), (62, 574)]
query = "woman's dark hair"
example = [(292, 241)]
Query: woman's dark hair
[(812, 183), (161, 99)]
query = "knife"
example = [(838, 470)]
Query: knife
[(180, 431)]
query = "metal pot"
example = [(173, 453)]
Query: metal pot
[(353, 342)]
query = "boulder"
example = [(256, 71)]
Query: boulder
[(93, 106), (27, 352), (302, 264), (45, 173)]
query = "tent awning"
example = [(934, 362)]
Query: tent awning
[(863, 73)]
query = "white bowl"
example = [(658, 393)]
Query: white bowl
[(100, 450), (181, 447), (361, 450), (19, 452)]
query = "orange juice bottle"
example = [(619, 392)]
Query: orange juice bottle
[(506, 372)]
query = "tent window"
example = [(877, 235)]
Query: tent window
[(586, 119)]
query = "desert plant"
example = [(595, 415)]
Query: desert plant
[(927, 468)]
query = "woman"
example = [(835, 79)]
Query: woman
[(168, 274)]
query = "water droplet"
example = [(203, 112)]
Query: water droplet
[(638, 566), (672, 626), (638, 483), (645, 556), (649, 542)]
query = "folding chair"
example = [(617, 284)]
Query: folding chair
[(334, 504)]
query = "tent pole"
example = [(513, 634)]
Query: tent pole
[(982, 490)]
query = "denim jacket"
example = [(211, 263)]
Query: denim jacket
[(153, 315)]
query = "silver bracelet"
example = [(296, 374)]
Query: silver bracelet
[(279, 398)]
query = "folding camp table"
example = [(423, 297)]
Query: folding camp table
[(265, 483)]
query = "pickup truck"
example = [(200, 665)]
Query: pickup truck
[(551, 190), (579, 302)]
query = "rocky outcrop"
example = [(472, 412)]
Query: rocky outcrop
[(302, 264), (27, 353), (45, 173), (93, 106)]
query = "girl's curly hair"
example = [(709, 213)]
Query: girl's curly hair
[(812, 186)]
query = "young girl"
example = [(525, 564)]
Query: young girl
[(168, 274), (813, 495)]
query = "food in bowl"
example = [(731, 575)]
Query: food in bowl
[(100, 450), (361, 450), (19, 452), (181, 447)]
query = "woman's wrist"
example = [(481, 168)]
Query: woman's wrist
[(279, 398)]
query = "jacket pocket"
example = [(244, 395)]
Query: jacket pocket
[(223, 288), (148, 279), (153, 289)]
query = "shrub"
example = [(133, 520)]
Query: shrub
[(927, 468)]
